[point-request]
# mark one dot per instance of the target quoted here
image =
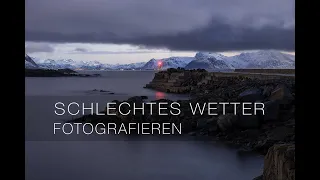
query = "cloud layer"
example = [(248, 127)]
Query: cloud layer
[(38, 47), (211, 25)]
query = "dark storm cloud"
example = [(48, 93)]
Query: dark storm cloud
[(38, 47), (113, 52), (215, 25)]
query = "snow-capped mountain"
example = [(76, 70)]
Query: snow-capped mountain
[(206, 60), (138, 65), (267, 59), (29, 63), (71, 64), (172, 62), (77, 65), (202, 60)]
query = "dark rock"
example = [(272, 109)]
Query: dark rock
[(281, 93), (144, 97), (251, 133), (267, 90), (280, 133), (251, 95), (226, 122), (248, 122), (271, 110), (213, 129), (203, 123), (111, 93), (279, 163), (263, 145)]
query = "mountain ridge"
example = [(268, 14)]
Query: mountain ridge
[(201, 60)]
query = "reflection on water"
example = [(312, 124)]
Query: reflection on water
[(118, 158), (159, 95)]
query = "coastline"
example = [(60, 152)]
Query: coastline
[(250, 132), (259, 133)]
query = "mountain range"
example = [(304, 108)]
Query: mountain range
[(204, 60)]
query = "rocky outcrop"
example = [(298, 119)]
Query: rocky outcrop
[(279, 163), (176, 80), (188, 81)]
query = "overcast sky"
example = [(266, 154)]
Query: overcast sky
[(123, 31)]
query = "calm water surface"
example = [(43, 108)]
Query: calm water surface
[(119, 158)]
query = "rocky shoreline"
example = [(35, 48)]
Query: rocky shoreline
[(266, 133)]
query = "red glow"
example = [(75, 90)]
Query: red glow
[(160, 63), (159, 95)]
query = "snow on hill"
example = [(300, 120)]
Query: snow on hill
[(29, 63), (83, 65), (267, 59), (138, 65), (206, 60), (171, 62), (71, 64), (203, 60)]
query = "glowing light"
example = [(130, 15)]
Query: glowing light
[(159, 95)]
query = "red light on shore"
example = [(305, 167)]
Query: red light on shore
[(159, 63)]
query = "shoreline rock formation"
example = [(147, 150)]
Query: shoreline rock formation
[(176, 80), (279, 163), (182, 81)]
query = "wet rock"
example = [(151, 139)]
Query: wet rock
[(267, 90), (251, 95), (279, 162), (226, 122), (281, 93)]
